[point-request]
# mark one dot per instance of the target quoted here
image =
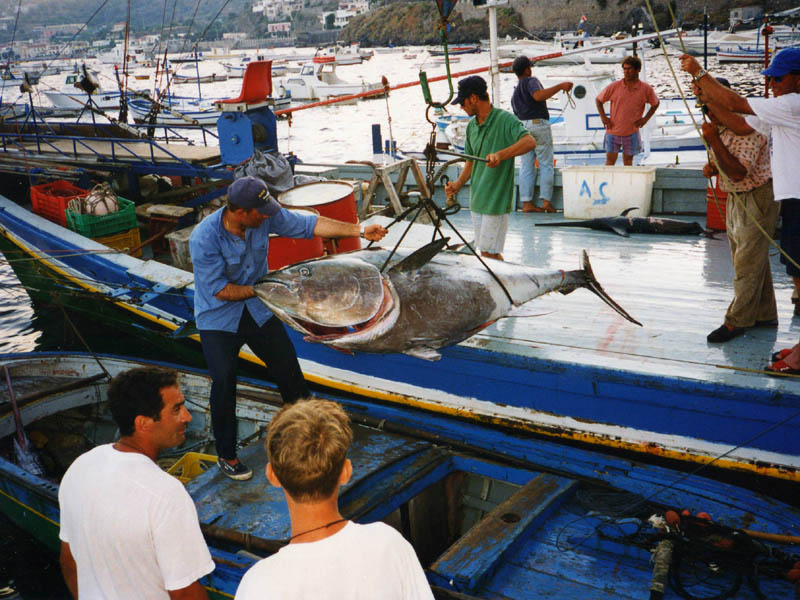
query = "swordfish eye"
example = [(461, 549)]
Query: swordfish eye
[(342, 293), (305, 271)]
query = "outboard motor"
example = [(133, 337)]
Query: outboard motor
[(247, 123)]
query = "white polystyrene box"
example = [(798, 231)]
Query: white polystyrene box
[(602, 191)]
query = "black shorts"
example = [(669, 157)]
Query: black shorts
[(790, 234)]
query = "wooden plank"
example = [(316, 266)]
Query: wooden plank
[(477, 554)]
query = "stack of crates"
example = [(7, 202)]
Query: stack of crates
[(118, 230), (50, 199)]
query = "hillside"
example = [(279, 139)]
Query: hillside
[(397, 21), (415, 22)]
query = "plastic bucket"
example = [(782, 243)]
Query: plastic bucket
[(333, 199), (595, 191), (715, 217), (287, 251)]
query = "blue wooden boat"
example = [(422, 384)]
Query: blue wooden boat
[(491, 514), (577, 372)]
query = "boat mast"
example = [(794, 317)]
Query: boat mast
[(494, 69)]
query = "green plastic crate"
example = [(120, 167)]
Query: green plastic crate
[(94, 226)]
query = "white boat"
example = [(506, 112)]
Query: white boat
[(526, 48), (578, 132), (741, 54), (176, 111), (71, 97), (116, 55), (318, 81), (235, 70), (600, 56), (178, 78), (340, 55)]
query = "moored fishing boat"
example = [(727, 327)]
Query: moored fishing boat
[(488, 514)]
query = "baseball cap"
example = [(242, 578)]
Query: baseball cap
[(251, 192), (520, 64), (784, 62), (468, 86)]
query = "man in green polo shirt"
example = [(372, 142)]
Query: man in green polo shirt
[(498, 136)]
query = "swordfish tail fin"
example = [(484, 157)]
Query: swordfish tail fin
[(594, 285)]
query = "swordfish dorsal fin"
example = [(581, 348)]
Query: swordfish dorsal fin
[(421, 256), (625, 212)]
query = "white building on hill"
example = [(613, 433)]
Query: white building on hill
[(347, 10)]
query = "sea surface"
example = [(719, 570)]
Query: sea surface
[(332, 134)]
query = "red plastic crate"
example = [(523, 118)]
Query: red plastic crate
[(50, 199)]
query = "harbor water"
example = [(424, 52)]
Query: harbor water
[(332, 134)]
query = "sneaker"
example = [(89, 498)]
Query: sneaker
[(722, 334), (239, 471)]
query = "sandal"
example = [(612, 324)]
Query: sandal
[(780, 354), (781, 368)]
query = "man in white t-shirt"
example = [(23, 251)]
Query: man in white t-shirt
[(129, 530), (327, 555), (778, 118)]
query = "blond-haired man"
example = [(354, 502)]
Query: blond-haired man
[(327, 556)]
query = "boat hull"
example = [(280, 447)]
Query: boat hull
[(484, 380), (542, 492)]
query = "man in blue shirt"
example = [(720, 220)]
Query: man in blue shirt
[(229, 254), (529, 103)]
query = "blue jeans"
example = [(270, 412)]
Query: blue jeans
[(540, 130), (270, 343)]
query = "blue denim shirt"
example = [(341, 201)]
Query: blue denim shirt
[(219, 258)]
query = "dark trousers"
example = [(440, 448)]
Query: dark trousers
[(271, 344)]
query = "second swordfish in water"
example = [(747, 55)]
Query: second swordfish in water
[(624, 225), (420, 302)]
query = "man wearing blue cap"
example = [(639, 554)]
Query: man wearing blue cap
[(778, 118), (229, 254), (496, 136)]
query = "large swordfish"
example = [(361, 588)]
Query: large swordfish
[(422, 301)]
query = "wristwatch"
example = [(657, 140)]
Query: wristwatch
[(700, 73), (362, 232)]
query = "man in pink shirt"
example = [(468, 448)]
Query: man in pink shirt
[(628, 97)]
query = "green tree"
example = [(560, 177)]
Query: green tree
[(329, 19)]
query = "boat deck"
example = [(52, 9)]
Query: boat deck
[(678, 287), (127, 151)]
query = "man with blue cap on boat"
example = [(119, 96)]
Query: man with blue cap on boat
[(229, 254), (778, 118), (495, 137)]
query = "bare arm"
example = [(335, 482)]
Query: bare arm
[(714, 93), (643, 121), (729, 164), (194, 591), (602, 112), (330, 228), (69, 569), (733, 121), (452, 187), (232, 292), (547, 93), (524, 144)]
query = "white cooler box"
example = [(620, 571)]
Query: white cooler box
[(601, 191)]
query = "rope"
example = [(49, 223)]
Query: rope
[(713, 159)]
